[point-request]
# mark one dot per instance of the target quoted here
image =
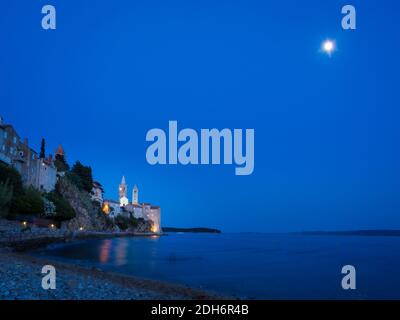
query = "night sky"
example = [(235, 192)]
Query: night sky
[(326, 128)]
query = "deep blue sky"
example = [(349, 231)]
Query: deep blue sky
[(327, 129)]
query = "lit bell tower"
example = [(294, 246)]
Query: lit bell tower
[(122, 190), (135, 195)]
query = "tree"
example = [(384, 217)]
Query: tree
[(133, 222), (13, 177), (60, 163), (6, 193), (30, 202), (85, 175), (74, 179), (42, 149), (64, 211), (122, 222), (27, 201)]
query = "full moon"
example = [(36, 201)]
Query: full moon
[(328, 46)]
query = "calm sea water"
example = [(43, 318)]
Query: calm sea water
[(253, 265)]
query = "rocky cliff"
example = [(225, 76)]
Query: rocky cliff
[(88, 215)]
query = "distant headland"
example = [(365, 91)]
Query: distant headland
[(370, 233), (194, 230)]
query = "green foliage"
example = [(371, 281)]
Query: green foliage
[(49, 208), (30, 202), (133, 222), (6, 193), (124, 223), (42, 149), (96, 205), (85, 175), (23, 201), (74, 179), (64, 211), (109, 223), (61, 164), (11, 175)]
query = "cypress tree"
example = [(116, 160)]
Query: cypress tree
[(43, 149)]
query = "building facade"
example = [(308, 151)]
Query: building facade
[(97, 192), (112, 208), (122, 191), (144, 211), (35, 171)]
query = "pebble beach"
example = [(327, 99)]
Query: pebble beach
[(21, 277)]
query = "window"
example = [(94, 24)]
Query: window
[(15, 139)]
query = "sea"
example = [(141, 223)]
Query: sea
[(249, 265)]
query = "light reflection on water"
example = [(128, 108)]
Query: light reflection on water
[(250, 265), (105, 248), (114, 249), (121, 252)]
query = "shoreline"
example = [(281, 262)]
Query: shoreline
[(11, 236), (21, 272), (27, 244), (21, 280)]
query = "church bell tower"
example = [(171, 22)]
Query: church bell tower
[(135, 195), (122, 190)]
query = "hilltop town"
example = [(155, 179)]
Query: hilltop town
[(41, 193)]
